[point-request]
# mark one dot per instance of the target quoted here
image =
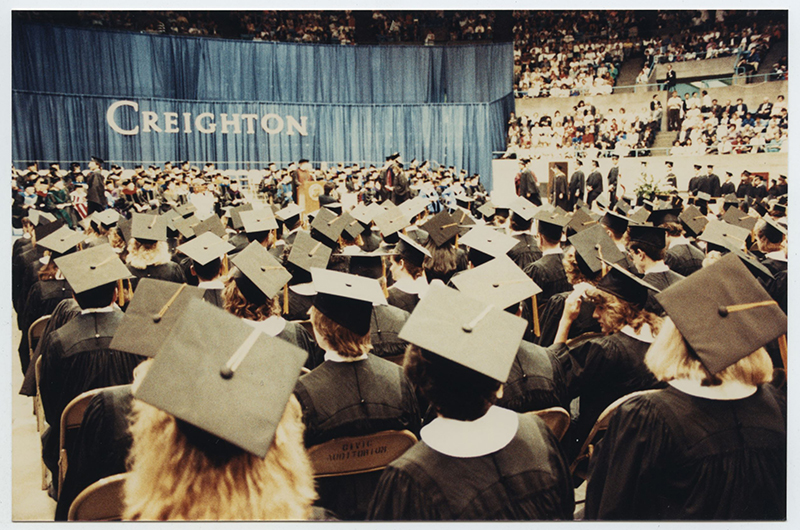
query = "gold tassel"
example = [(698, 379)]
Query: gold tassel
[(120, 293), (224, 269), (286, 299), (536, 330), (784, 351)]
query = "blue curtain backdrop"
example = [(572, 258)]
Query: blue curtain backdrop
[(448, 104)]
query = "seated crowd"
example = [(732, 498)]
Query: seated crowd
[(231, 335)]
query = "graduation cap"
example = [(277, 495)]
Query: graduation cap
[(212, 224), (419, 235), (660, 216), (731, 198), (362, 213), (146, 227), (45, 229), (154, 309), (639, 216), (411, 251), (551, 224), (391, 220), (260, 276), (779, 208), (256, 221), (289, 212), (760, 208), (441, 228), (38, 217), (625, 285), (307, 252), (329, 225), (648, 234), (346, 299), (487, 210), (622, 207), (591, 246), (489, 241), (523, 208), (221, 375), (580, 221), (205, 248), (737, 217), (93, 267), (61, 241), (235, 214), (464, 201), (462, 329), (352, 227), (335, 207), (723, 313), (602, 202), (107, 218), (724, 235), (693, 220), (499, 282), (98, 160), (774, 229), (414, 207)]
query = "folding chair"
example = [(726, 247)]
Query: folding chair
[(557, 418), (71, 420), (359, 454), (41, 423), (102, 501), (35, 333)]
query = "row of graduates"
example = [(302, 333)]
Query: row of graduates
[(453, 375)]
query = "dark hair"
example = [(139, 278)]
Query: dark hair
[(519, 224), (209, 271), (414, 270), (453, 390), (651, 251), (673, 229), (98, 297), (443, 261)]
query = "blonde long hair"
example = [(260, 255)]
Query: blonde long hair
[(142, 255)]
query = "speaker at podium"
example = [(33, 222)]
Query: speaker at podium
[(308, 197)]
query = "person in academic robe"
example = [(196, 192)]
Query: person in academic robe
[(712, 444), (647, 247), (559, 195), (681, 255), (670, 178), (353, 392), (595, 184), (528, 185), (519, 227), (604, 369), (475, 460), (76, 357), (548, 271), (612, 179), (401, 191), (713, 186), (577, 186), (96, 187), (148, 251), (58, 203), (205, 254), (410, 283), (770, 237), (727, 187)]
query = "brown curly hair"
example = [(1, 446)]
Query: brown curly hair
[(618, 313), (234, 302), (574, 274), (339, 338)]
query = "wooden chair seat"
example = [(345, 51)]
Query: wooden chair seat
[(102, 501), (557, 418), (359, 454)]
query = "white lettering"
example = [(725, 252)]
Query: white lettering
[(187, 122), (251, 122), (150, 120), (235, 121), (113, 123), (300, 127), (171, 119), (198, 123), (265, 123)]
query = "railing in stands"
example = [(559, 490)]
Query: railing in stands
[(636, 153)]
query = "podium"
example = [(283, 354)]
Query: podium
[(308, 196)]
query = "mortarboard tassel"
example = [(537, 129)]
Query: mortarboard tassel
[(286, 299), (535, 307), (120, 293)]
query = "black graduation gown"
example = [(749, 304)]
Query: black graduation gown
[(101, 445), (298, 306), (560, 188), (43, 298), (536, 381), (386, 323), (577, 187), (613, 177), (22, 273), (170, 272), (371, 241), (551, 315), (65, 311), (17, 271), (726, 188), (684, 259), (297, 335), (526, 251), (76, 358), (213, 296), (353, 399), (548, 273), (778, 288), (595, 184), (600, 371), (669, 455), (659, 280), (528, 479), (401, 299), (528, 187)]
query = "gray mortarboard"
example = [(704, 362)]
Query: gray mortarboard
[(346, 299), (774, 228), (419, 235), (648, 234), (736, 217), (464, 220), (761, 208), (591, 246), (335, 207), (362, 213), (580, 221), (464, 201), (183, 226), (61, 241), (463, 329), (622, 207), (414, 207), (212, 224), (499, 282), (290, 211), (489, 241), (374, 210), (255, 221), (487, 210), (352, 227), (45, 229), (779, 208), (149, 227), (39, 217), (725, 236), (205, 248), (551, 224), (723, 313), (758, 269), (391, 221), (124, 227), (703, 196), (221, 375), (260, 275), (154, 309), (625, 285), (236, 215), (523, 208), (693, 220), (307, 252), (441, 228), (602, 202), (411, 251), (664, 215), (329, 225), (639, 216), (98, 160), (731, 198), (92, 268), (107, 218)]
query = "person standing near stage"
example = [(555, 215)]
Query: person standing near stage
[(577, 185), (96, 187), (613, 177), (528, 185), (560, 193), (670, 179), (594, 183)]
